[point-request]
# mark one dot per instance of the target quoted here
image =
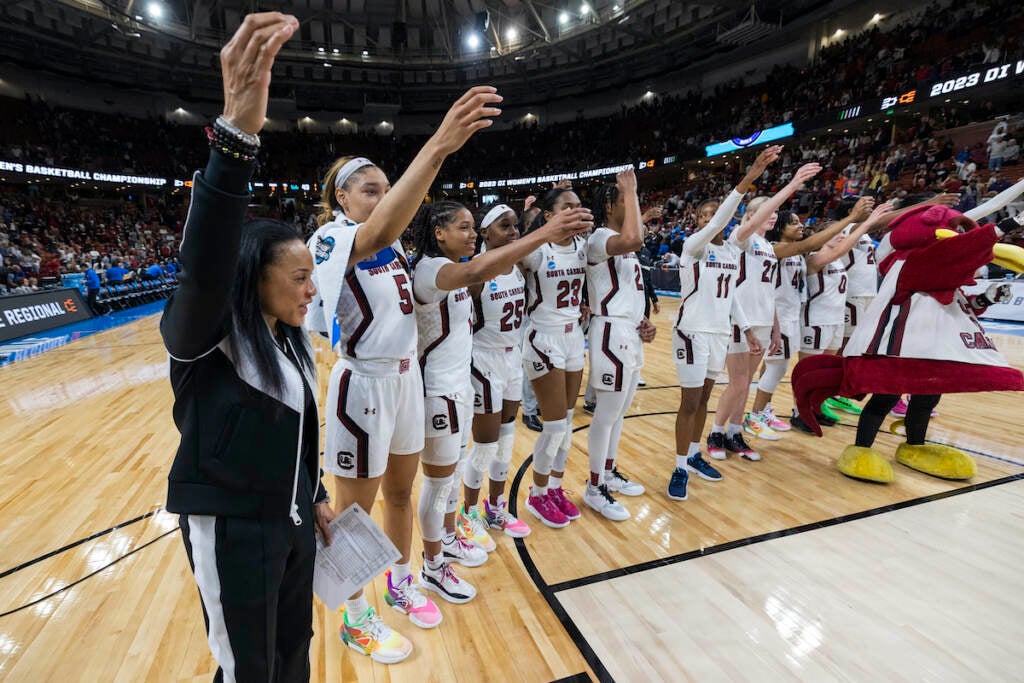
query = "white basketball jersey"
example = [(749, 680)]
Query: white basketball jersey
[(498, 312), (615, 283), (826, 296), (861, 269), (792, 290), (554, 283), (445, 330), (757, 280), (707, 286), (368, 309)]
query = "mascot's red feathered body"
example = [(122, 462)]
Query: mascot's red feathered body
[(920, 336)]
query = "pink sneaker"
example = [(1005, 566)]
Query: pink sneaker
[(498, 517), (773, 421), (558, 498), (407, 599), (546, 511), (900, 409)]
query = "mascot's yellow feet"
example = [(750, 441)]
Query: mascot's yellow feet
[(939, 461), (865, 463)]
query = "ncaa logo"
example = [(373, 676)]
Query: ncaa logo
[(346, 460), (580, 255), (711, 257), (440, 422), (551, 265), (494, 286), (324, 247), (607, 379)]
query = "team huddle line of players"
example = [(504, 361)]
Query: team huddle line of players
[(433, 352)]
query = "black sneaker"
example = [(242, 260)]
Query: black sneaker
[(716, 445), (702, 468), (736, 444), (533, 423), (825, 420), (588, 408), (800, 425)]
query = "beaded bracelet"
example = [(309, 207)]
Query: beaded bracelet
[(232, 142)]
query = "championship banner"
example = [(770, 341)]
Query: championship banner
[(22, 314)]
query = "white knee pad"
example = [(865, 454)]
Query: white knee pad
[(567, 437), (503, 457), (546, 448), (774, 371), (562, 455), (453, 492), (482, 455), (432, 505), (442, 450)]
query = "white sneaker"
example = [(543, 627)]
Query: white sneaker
[(457, 549), (619, 484), (445, 583), (601, 500)]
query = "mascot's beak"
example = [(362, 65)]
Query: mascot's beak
[(1007, 256)]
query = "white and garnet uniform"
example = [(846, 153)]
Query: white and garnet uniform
[(375, 394), (554, 285), (824, 309), (755, 290), (708, 310), (789, 300), (498, 315), (616, 288), (862, 281), (445, 355)]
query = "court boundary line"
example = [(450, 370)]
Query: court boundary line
[(549, 591)]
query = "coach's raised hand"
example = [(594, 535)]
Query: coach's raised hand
[(245, 65), (470, 113)]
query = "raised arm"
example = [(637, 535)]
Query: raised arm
[(198, 314), (997, 203), (860, 213), (805, 173), (389, 219), (695, 243), (492, 262), (630, 237), (831, 252)]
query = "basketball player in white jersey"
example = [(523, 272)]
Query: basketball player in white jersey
[(822, 324), (755, 291), (617, 330), (790, 248), (375, 396), (499, 312), (708, 269), (553, 355), (445, 235)]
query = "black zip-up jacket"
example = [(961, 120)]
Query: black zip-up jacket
[(241, 445)]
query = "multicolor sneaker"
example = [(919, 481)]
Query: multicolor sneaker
[(843, 404), (474, 529), (457, 549), (371, 636), (773, 421), (559, 500), (716, 445), (756, 424), (697, 464), (445, 583), (407, 599), (546, 511), (677, 484), (736, 444), (599, 498), (619, 484), (498, 517)]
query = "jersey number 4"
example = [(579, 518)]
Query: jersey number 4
[(568, 293), (512, 315)]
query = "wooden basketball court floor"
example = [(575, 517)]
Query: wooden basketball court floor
[(785, 570)]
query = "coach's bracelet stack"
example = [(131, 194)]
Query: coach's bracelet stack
[(231, 141)]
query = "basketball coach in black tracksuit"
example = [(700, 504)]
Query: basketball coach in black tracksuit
[(246, 477)]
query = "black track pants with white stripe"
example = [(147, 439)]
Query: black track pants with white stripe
[(255, 579)]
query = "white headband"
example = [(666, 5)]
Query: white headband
[(494, 214), (350, 167)]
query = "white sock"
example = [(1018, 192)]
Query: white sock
[(434, 563), (680, 461), (554, 482), (539, 490), (796, 413), (473, 508), (355, 608), (718, 429), (399, 572), (694, 448), (734, 430)]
